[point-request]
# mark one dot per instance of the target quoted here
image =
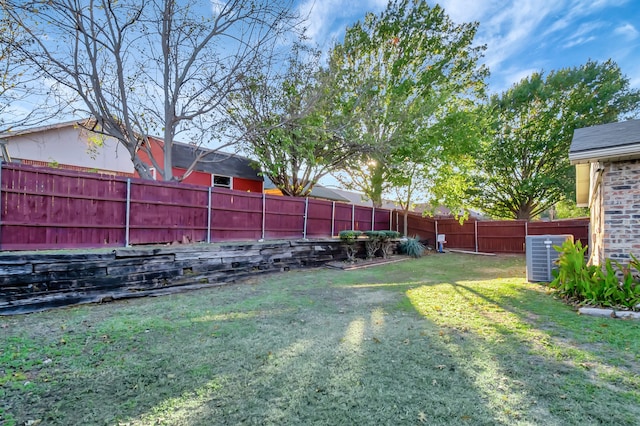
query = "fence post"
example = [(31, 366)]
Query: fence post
[(373, 218), (333, 218), (306, 213), (0, 204), (128, 214), (264, 213), (353, 216), (435, 244), (209, 219), (476, 232), (526, 232)]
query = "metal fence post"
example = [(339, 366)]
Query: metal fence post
[(333, 218), (209, 218), (264, 214), (0, 204), (373, 218), (436, 240), (353, 216), (306, 213), (128, 213), (476, 232)]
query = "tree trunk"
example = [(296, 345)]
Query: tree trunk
[(524, 212), (141, 168), (375, 194)]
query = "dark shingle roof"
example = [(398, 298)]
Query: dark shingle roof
[(215, 162), (605, 136)]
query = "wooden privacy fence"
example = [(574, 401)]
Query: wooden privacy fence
[(43, 208), (495, 236)]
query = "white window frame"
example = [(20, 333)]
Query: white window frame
[(222, 186)]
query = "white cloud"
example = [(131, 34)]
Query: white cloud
[(582, 34), (627, 31), (577, 41), (512, 27), (327, 19), (461, 11), (515, 76)]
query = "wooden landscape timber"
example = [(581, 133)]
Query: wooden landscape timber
[(31, 282)]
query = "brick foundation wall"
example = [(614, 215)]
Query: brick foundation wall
[(621, 211)]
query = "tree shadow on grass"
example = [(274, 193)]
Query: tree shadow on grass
[(304, 353), (558, 379), (358, 362)]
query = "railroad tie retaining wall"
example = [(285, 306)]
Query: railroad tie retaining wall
[(32, 282)]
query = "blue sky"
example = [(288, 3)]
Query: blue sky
[(522, 36)]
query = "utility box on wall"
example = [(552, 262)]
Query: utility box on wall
[(541, 255)]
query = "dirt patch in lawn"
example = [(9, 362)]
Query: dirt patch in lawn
[(365, 263)]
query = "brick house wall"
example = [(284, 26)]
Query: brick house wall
[(615, 215)]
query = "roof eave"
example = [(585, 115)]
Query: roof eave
[(617, 153)]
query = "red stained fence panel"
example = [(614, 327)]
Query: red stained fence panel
[(343, 217), (491, 236), (48, 208), (319, 214), (423, 228), (579, 228), (235, 215), (161, 213), (284, 217), (43, 208)]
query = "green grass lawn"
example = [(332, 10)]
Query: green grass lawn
[(446, 339)]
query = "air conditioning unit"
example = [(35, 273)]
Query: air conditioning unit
[(541, 255)]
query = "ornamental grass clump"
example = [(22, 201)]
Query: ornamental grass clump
[(612, 285), (412, 247)]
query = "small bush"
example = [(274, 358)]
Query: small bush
[(610, 285), (349, 236), (412, 247), (380, 241)]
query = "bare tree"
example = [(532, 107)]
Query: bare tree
[(151, 66), (24, 100)]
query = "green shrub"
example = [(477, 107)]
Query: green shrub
[(380, 241), (412, 247), (610, 285), (373, 244), (349, 238)]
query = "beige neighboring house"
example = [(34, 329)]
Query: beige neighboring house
[(68, 146), (607, 159)]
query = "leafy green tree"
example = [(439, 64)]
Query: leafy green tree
[(524, 167), (289, 124), (567, 209), (402, 73)]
